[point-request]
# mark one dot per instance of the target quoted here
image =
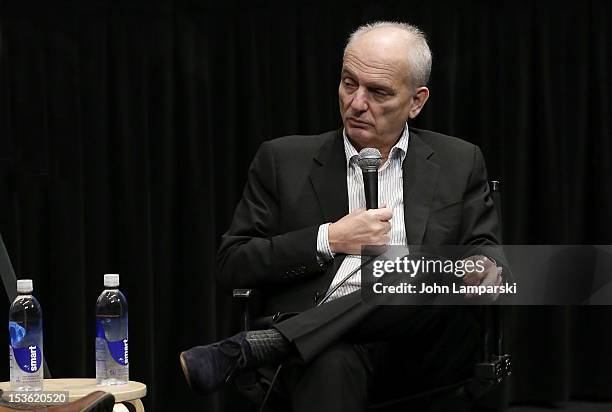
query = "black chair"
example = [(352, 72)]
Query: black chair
[(494, 365)]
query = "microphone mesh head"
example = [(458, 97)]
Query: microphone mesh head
[(369, 158)]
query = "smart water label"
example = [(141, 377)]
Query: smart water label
[(28, 358), (118, 349)]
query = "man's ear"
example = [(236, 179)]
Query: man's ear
[(418, 101)]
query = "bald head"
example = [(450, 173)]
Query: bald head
[(382, 83), (391, 41)]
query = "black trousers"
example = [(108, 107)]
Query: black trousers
[(355, 353)]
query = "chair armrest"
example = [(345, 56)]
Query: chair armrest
[(243, 293), (249, 301)]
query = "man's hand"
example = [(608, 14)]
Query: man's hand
[(358, 228), (489, 276)]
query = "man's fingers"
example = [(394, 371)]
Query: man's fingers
[(499, 278), (491, 277), (386, 227), (473, 278), (358, 210), (382, 214)]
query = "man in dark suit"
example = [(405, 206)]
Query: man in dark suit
[(298, 231)]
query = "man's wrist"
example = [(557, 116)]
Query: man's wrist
[(324, 251)]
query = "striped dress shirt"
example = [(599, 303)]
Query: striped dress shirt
[(390, 192)]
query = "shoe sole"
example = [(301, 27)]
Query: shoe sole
[(184, 368)]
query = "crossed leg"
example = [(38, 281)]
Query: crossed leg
[(353, 352)]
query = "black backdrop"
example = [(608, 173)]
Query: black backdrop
[(127, 127)]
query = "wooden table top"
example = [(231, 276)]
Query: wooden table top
[(79, 387)]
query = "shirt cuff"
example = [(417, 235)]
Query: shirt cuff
[(324, 252)]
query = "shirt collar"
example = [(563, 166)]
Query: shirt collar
[(398, 150)]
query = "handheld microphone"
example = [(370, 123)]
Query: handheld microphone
[(369, 161)]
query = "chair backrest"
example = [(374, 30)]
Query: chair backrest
[(494, 342), (495, 188)]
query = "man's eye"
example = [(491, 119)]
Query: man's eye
[(349, 83)]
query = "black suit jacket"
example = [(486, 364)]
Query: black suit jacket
[(296, 183)]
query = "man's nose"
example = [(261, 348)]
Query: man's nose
[(360, 101)]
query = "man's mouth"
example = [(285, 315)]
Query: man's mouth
[(358, 123)]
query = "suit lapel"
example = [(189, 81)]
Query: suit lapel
[(328, 179), (420, 176)]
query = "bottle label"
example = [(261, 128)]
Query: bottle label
[(118, 349), (28, 358)]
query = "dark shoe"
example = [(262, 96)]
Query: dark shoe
[(94, 402), (207, 368)]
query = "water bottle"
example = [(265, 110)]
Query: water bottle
[(26, 336), (112, 366)]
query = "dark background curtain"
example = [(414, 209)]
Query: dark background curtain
[(127, 127)]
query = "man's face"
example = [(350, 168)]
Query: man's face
[(375, 94)]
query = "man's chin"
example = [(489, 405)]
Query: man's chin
[(360, 137)]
